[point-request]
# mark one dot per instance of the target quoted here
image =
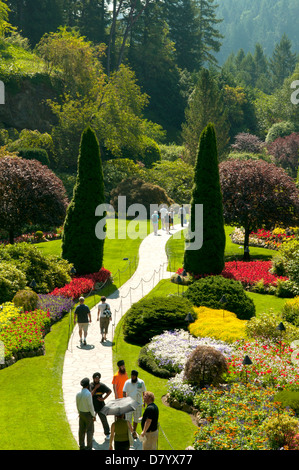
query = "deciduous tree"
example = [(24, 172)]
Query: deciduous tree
[(257, 194)]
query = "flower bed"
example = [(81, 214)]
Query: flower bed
[(172, 348), (265, 238), (56, 305), (25, 334), (272, 366), (234, 419), (251, 272), (81, 285)]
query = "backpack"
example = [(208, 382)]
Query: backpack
[(107, 311)]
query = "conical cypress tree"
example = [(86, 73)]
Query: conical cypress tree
[(209, 259), (80, 245)]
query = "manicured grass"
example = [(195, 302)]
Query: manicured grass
[(32, 415), (177, 426), (176, 246)]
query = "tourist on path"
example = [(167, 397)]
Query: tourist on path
[(104, 315), (100, 392), (134, 388), (87, 415), (149, 423), (119, 379), (155, 221), (83, 316), (120, 430)]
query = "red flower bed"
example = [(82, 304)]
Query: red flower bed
[(250, 272), (81, 285)]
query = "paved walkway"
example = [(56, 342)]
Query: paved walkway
[(83, 361)]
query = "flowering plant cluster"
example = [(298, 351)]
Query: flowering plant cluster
[(25, 332), (55, 304), (271, 239), (33, 238), (234, 419), (172, 349), (8, 312), (219, 324), (272, 364), (251, 272), (81, 285)]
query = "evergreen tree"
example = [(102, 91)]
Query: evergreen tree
[(283, 61), (80, 245), (182, 17), (206, 105), (209, 40), (209, 259)]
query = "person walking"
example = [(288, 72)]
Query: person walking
[(134, 388), (83, 316), (163, 212), (182, 214), (155, 221), (87, 415), (100, 392), (149, 423), (120, 430), (119, 379), (105, 316)]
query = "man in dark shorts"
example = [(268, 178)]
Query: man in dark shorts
[(82, 313), (100, 392), (149, 423)]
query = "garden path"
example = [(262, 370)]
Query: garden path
[(83, 361)]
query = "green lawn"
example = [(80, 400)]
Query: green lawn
[(175, 248), (32, 415), (177, 426)]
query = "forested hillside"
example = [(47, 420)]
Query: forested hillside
[(247, 22), (145, 74)]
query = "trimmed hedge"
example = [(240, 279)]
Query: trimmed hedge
[(147, 361), (150, 317), (208, 291)]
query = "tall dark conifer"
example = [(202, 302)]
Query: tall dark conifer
[(80, 245), (209, 259)]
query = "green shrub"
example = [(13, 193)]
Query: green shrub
[(147, 361), (205, 366), (280, 430), (12, 280), (208, 291), (47, 271), (264, 327), (288, 399), (27, 299), (290, 311), (280, 129), (150, 317), (40, 155)]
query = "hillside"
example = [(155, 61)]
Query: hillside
[(246, 22)]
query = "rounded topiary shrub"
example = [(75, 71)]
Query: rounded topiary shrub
[(151, 316), (205, 366), (208, 291), (27, 299)]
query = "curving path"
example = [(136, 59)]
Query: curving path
[(83, 361)]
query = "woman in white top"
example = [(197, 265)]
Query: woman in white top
[(104, 315)]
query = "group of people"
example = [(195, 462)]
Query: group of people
[(83, 317), (167, 218), (91, 400)]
